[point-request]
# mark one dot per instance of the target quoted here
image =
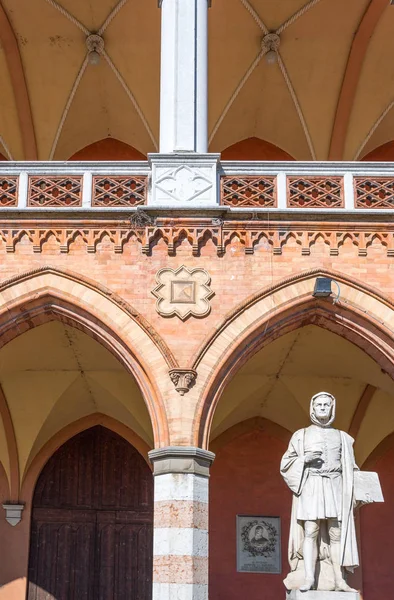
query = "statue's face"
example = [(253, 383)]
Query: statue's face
[(322, 407), (259, 534)]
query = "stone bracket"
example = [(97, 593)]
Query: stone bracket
[(183, 379), (13, 513)]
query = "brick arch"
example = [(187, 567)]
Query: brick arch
[(383, 153), (39, 461), (254, 148), (108, 149), (46, 294), (363, 316)]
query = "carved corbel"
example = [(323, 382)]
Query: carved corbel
[(183, 379)]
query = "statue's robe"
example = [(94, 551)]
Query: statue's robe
[(295, 473)]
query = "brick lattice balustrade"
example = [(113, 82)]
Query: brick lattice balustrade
[(119, 191), (259, 192)]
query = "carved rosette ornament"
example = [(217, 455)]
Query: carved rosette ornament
[(183, 292), (183, 379)]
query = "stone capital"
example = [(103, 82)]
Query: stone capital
[(181, 459)]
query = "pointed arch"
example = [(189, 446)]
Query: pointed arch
[(46, 294), (282, 308), (108, 149), (39, 461), (254, 148)]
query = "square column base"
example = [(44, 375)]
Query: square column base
[(184, 180), (322, 595)]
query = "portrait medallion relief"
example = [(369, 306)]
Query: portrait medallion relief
[(258, 544)]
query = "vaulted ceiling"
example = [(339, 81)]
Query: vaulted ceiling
[(278, 382), (329, 94)]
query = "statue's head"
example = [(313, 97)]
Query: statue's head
[(322, 409)]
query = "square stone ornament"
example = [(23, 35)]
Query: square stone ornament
[(322, 595), (183, 292)]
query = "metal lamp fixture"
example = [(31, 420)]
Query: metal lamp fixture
[(323, 288)]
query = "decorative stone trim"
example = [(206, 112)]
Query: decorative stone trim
[(181, 459), (183, 379), (186, 179), (251, 234), (183, 292), (13, 513)]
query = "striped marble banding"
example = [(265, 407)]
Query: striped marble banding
[(180, 547)]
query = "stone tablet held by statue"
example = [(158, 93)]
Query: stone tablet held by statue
[(320, 469)]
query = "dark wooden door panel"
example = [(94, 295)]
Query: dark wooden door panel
[(62, 561), (92, 522)]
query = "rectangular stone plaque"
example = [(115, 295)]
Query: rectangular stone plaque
[(321, 595), (258, 544)]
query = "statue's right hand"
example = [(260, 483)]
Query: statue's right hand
[(312, 457)]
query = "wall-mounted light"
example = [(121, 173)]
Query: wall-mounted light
[(323, 288)]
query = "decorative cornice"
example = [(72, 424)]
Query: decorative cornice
[(181, 459), (250, 234)]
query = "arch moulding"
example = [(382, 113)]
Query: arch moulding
[(48, 294), (363, 316)]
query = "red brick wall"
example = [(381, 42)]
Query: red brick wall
[(254, 149), (245, 479), (108, 149), (234, 276), (377, 535)]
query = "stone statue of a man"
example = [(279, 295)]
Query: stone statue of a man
[(319, 469)]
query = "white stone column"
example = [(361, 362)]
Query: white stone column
[(184, 76), (180, 544)]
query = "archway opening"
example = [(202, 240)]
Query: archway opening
[(263, 404), (92, 520), (57, 381)]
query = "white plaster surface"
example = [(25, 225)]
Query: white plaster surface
[(181, 591), (180, 542), (180, 486), (184, 76)]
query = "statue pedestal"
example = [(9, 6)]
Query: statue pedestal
[(322, 595)]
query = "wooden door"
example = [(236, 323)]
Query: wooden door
[(92, 522)]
